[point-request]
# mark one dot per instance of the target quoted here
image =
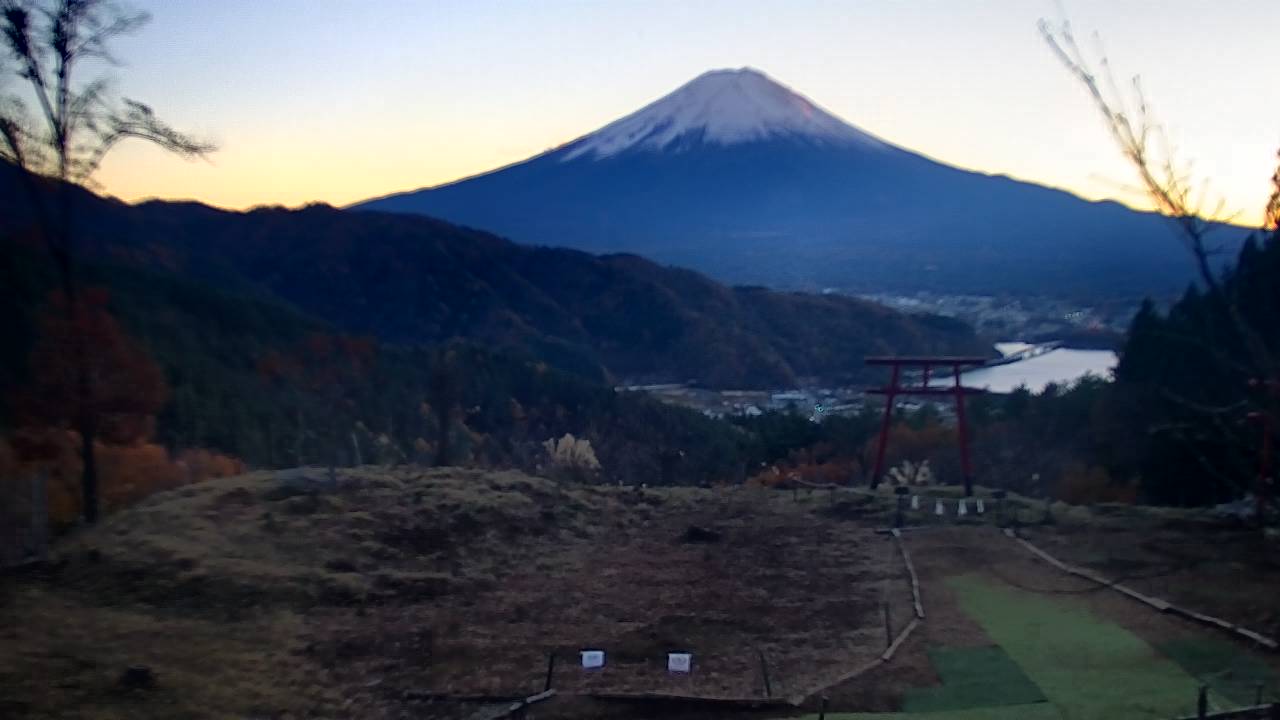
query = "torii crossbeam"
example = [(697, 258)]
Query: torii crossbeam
[(954, 366)]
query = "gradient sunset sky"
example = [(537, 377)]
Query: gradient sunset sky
[(338, 101)]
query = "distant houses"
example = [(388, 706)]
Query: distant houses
[(816, 402)]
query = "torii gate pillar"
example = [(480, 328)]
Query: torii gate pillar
[(896, 388)]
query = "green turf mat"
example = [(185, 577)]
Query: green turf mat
[(976, 677), (1087, 667), (1231, 672), (1039, 711)]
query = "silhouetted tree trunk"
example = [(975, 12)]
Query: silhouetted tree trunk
[(75, 128)]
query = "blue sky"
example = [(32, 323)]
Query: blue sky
[(335, 100)]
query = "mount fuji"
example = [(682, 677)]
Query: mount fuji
[(740, 177)]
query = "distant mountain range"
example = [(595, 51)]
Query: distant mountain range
[(739, 177), (413, 280)]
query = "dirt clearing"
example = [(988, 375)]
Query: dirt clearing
[(286, 595)]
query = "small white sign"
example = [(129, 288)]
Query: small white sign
[(679, 662), (964, 509), (915, 502), (981, 508), (938, 509), (592, 659)]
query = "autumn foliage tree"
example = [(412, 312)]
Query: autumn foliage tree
[(125, 388), (44, 43)]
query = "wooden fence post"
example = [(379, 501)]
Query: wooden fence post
[(901, 491), (764, 671), (888, 625)]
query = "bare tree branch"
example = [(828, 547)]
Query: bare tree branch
[(138, 121), (47, 39), (18, 36), (1169, 187), (80, 124), (1132, 136)]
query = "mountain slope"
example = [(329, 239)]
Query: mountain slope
[(414, 280), (210, 345), (739, 177)]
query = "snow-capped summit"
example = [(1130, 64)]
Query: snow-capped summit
[(720, 107)]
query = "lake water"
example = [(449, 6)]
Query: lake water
[(1060, 366)]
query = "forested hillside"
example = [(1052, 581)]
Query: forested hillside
[(276, 388), (1190, 378), (289, 337), (411, 280)]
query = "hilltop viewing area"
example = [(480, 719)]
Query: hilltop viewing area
[(562, 360), (445, 593)]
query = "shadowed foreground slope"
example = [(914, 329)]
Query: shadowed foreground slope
[(283, 595), (279, 593)]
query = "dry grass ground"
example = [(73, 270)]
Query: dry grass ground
[(281, 595), (1225, 569)]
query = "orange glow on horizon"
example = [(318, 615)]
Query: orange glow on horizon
[(326, 103)]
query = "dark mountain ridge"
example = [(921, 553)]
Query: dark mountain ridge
[(414, 280)]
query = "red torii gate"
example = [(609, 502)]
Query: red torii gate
[(894, 389)]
